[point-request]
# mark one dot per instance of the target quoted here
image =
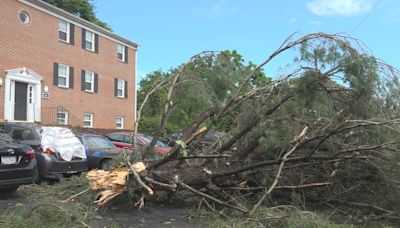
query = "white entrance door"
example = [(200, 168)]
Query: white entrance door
[(22, 86)]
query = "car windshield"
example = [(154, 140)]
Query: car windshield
[(176, 135), (99, 142), (213, 136), (6, 139), (22, 133), (148, 139)]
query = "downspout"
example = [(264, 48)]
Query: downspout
[(135, 93)]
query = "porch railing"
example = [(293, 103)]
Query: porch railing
[(60, 116)]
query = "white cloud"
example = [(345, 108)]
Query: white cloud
[(339, 7), (220, 8)]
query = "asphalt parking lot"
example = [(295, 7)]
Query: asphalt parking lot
[(152, 215)]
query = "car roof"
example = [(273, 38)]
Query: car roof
[(120, 133), (90, 135), (125, 133), (22, 124)]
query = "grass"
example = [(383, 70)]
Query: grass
[(46, 209), (281, 216), (304, 220)]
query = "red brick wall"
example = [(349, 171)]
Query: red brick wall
[(36, 46)]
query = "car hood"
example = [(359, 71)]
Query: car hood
[(162, 150)]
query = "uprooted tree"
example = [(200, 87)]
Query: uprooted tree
[(324, 133)]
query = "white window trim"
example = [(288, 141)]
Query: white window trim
[(91, 120), (123, 88), (67, 76), (65, 118), (119, 122), (93, 40), (123, 52), (91, 82), (67, 32)]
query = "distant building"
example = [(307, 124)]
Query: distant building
[(57, 68)]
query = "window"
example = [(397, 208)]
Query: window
[(116, 137), (62, 118), (21, 133), (89, 40), (120, 88), (119, 122), (149, 138), (63, 75), (99, 142), (30, 94), (63, 31), (121, 52), (128, 139), (88, 120), (6, 139), (89, 81), (24, 17)]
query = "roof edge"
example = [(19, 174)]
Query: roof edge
[(74, 18)]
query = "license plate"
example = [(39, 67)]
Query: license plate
[(71, 172), (8, 160)]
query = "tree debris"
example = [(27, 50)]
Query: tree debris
[(328, 129)]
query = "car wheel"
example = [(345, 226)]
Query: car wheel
[(37, 179), (9, 190), (69, 175), (105, 164)]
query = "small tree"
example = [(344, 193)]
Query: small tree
[(82, 8), (205, 83)]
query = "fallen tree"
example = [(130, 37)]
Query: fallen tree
[(326, 133)]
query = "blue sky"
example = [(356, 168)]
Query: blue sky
[(170, 32)]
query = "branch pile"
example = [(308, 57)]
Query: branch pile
[(112, 183), (324, 134)]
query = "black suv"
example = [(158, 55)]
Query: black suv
[(17, 163), (49, 164)]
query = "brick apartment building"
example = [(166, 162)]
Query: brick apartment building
[(57, 68)]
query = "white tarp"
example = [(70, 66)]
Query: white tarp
[(63, 141)]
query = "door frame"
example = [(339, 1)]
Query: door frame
[(33, 80)]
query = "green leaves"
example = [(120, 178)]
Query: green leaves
[(82, 8), (361, 73), (206, 82), (183, 148)]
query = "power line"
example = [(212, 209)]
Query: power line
[(366, 17)]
